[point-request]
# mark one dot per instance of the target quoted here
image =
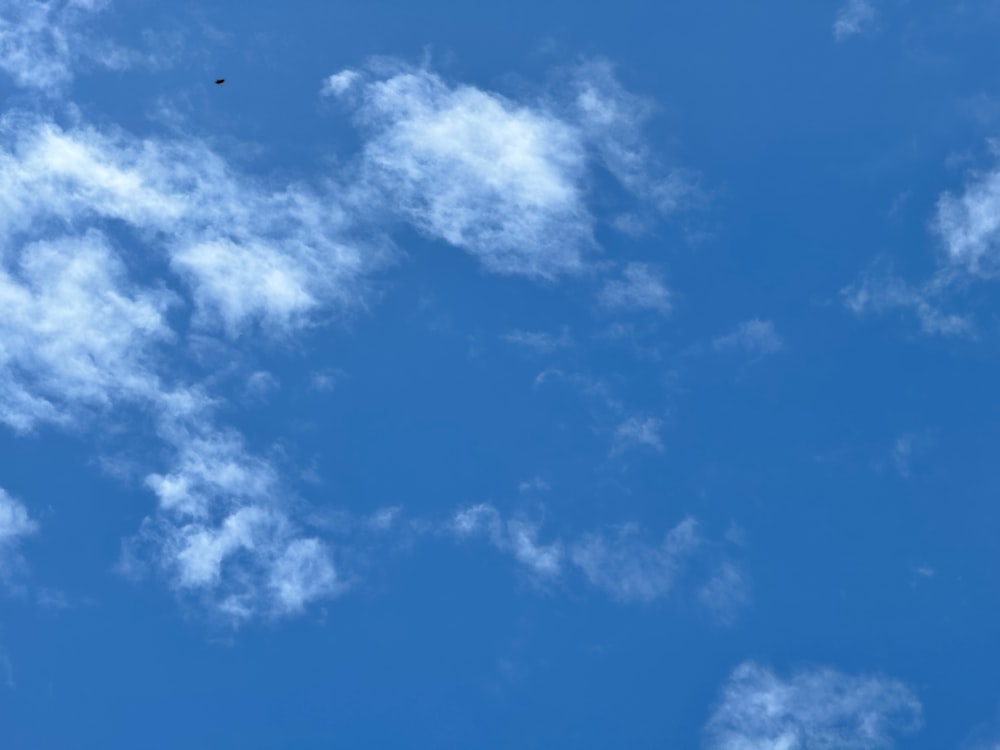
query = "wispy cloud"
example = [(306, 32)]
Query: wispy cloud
[(879, 291), (906, 448), (854, 17), (260, 385), (535, 484), (613, 118), (756, 337), (638, 431), (811, 709), (517, 537), (44, 44), (726, 593), (617, 561), (15, 525), (629, 569), (640, 288), (540, 341)]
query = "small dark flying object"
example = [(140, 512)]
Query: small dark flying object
[(219, 80)]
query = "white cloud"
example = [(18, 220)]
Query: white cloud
[(638, 431), (497, 179), (259, 385), (535, 484), (759, 710), (631, 570), (612, 119), (517, 537), (224, 534), (74, 334), (641, 288), (504, 180), (249, 252), (969, 224), (854, 17), (540, 341), (339, 83), (879, 292), (15, 525), (756, 337), (43, 44), (80, 337), (726, 593)]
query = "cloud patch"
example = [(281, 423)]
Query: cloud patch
[(879, 291), (969, 224), (505, 180), (44, 44), (823, 708), (636, 432), (755, 337), (641, 288), (630, 570), (854, 17), (15, 525)]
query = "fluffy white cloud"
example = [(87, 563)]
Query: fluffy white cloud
[(224, 532), (631, 570), (641, 288), (79, 336), (811, 710), (757, 337), (75, 333), (969, 224), (504, 180), (250, 253), (854, 17), (495, 178)]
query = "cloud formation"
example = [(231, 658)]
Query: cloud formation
[(43, 43), (616, 561), (854, 17), (630, 570), (756, 337), (640, 288), (969, 224), (82, 339), (15, 525), (638, 431), (540, 341), (811, 710), (504, 180), (249, 252), (879, 291)]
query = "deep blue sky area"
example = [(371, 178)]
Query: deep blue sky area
[(499, 376)]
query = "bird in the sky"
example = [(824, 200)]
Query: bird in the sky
[(219, 80)]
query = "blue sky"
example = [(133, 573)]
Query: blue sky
[(499, 376)]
